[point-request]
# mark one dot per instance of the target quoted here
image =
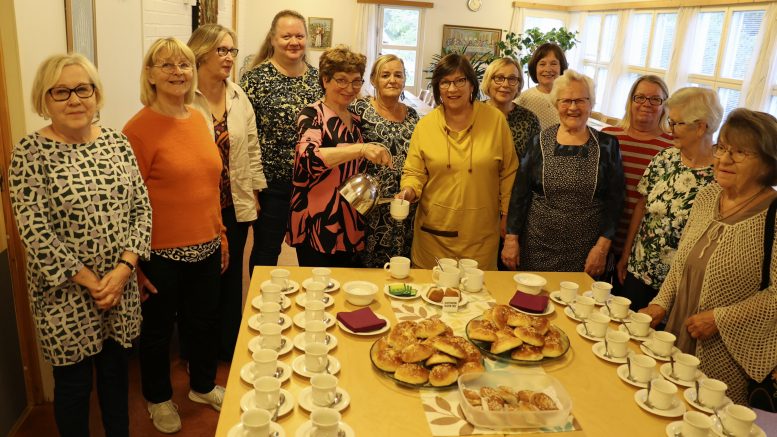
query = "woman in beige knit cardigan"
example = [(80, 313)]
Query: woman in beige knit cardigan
[(712, 293)]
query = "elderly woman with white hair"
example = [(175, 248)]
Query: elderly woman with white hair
[(569, 191)]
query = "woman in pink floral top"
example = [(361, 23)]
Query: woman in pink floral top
[(323, 227)]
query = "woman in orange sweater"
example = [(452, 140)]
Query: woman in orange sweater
[(181, 167)]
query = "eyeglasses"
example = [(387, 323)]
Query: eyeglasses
[(565, 103), (654, 100), (343, 84), (169, 67), (61, 93), (222, 51), (673, 124), (718, 150), (511, 80), (458, 83)]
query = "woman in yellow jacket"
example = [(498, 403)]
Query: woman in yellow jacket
[(460, 168)]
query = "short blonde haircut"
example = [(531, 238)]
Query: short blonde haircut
[(380, 62), (567, 78), (49, 72), (206, 38), (488, 76), (340, 59), (173, 47), (697, 104)]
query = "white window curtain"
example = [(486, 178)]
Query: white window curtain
[(575, 56), (611, 104), (366, 38), (685, 33), (516, 22), (762, 76)]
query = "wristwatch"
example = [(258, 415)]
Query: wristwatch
[(474, 5)]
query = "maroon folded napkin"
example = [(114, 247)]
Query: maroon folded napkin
[(363, 320), (529, 302)]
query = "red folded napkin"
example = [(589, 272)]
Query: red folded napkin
[(529, 302), (363, 320)]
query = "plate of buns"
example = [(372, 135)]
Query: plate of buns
[(435, 294), (425, 354), (505, 334)]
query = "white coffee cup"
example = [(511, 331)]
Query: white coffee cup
[(597, 324), (315, 293), (445, 263), (696, 424), (472, 280), (662, 394), (712, 393), (738, 420), (315, 331), (272, 293), (619, 307), (639, 324), (399, 209), (280, 277), (326, 422), (270, 312), (322, 275), (685, 366), (256, 422), (398, 267), (466, 263), (267, 392), (324, 389), (271, 335), (642, 367), (316, 357), (314, 310), (662, 343), (601, 291), (568, 291), (617, 343), (583, 305), (446, 278), (265, 362)]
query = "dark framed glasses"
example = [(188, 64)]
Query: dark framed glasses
[(61, 93)]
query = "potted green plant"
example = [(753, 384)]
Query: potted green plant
[(520, 46)]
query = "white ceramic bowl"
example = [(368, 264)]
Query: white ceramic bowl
[(529, 283), (360, 293)]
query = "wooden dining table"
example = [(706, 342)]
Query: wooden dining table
[(602, 404)]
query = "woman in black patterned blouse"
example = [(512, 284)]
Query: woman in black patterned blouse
[(279, 84), (386, 120)]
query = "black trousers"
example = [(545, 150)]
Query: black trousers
[(231, 299), (271, 225), (633, 288), (73, 387), (309, 257), (190, 290)]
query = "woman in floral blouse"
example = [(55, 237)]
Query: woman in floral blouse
[(279, 84), (386, 120), (669, 187)]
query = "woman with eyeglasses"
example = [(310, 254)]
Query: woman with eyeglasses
[(181, 166), (547, 64), (460, 168), (668, 189), (569, 191), (720, 293), (84, 218), (233, 124), (324, 228)]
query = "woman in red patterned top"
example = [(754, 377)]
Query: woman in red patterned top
[(323, 227)]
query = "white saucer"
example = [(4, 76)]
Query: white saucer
[(238, 431), (755, 431), (677, 410), (462, 301), (305, 428), (590, 294), (299, 320), (415, 287), (302, 298), (690, 395), (335, 284), (674, 429), (256, 343), (306, 399), (548, 310), (299, 341), (556, 297), (571, 315), (258, 301), (622, 328), (248, 401), (623, 374), (293, 286), (581, 330), (247, 372), (606, 312), (598, 350), (385, 328), (298, 365), (666, 372), (254, 322), (650, 353)]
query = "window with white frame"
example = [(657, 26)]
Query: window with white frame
[(401, 30), (543, 20), (598, 43)]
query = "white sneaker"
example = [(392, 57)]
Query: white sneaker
[(165, 417), (214, 398)]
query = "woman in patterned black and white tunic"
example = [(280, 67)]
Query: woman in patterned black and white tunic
[(84, 218), (386, 120)]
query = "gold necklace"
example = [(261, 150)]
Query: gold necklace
[(738, 207)]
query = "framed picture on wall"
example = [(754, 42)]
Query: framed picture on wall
[(80, 28), (471, 41), (320, 33)]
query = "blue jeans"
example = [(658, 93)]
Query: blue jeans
[(271, 225)]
